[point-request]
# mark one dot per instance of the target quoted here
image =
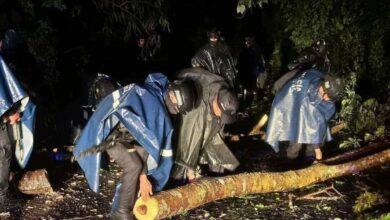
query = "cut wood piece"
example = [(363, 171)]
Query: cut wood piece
[(337, 128), (35, 183), (175, 201), (256, 129)]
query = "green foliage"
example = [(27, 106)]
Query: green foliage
[(350, 102), (41, 46), (129, 17), (353, 142), (58, 4), (366, 201), (243, 5), (261, 206), (276, 59), (39, 35), (385, 216), (363, 119), (118, 19)]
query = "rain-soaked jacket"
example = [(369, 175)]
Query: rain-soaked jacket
[(216, 58), (12, 93), (141, 109), (199, 136), (298, 112)]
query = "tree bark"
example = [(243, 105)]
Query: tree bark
[(175, 201), (359, 152)]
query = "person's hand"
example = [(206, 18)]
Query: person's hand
[(145, 187), (13, 119)]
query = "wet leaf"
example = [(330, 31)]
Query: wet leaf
[(241, 9), (260, 206)]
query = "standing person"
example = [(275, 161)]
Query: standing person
[(252, 68), (133, 125), (148, 46), (199, 135), (17, 118), (301, 111), (314, 56), (216, 58)]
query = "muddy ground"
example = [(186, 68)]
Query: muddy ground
[(73, 200)]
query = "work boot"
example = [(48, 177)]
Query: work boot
[(121, 214)]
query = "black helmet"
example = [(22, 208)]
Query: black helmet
[(333, 86), (101, 86), (185, 93)]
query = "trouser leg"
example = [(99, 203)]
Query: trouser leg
[(293, 150), (131, 166), (5, 160)]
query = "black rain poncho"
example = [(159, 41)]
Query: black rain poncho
[(216, 58), (199, 137)]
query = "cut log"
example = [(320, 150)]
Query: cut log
[(337, 128), (256, 129), (35, 183), (175, 201)]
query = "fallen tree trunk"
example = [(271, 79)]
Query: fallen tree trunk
[(353, 154), (175, 201)]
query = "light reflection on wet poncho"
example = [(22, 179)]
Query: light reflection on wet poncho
[(298, 113)]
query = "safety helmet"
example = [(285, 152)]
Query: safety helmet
[(333, 86), (186, 95), (101, 86)]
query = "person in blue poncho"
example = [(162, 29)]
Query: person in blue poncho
[(300, 113), (133, 125), (17, 117)]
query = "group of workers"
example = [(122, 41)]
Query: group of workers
[(159, 129)]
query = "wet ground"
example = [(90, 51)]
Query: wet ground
[(73, 199)]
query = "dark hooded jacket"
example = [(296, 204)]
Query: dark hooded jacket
[(199, 136), (216, 58)]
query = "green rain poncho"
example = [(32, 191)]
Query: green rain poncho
[(199, 135)]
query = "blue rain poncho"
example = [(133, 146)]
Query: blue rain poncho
[(141, 109), (11, 92), (298, 113)]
